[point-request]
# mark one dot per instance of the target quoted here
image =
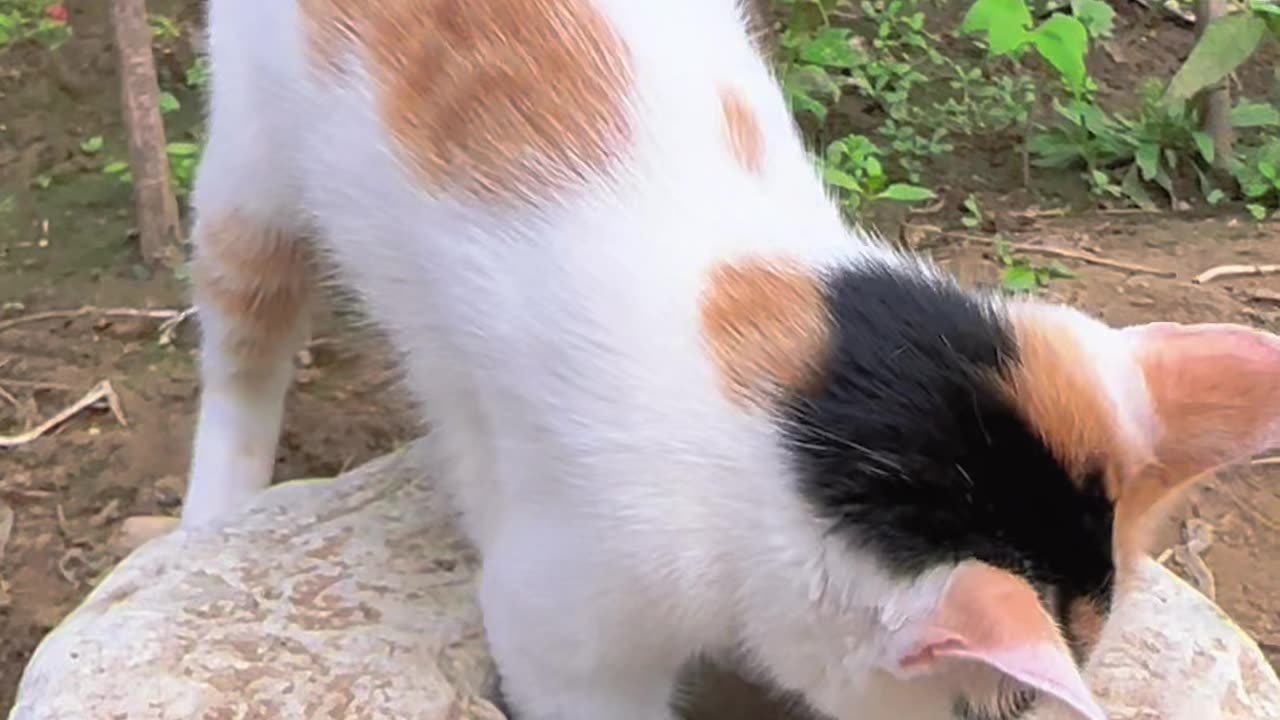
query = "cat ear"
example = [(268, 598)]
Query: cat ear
[(994, 618), (1214, 390), (1214, 400)]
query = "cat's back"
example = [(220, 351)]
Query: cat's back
[(552, 195)]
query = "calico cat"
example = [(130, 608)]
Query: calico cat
[(684, 409)]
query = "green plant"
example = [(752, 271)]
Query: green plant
[(184, 159), (162, 27), (168, 102), (853, 165), (1061, 40), (1257, 171), (197, 75), (814, 56), (1021, 275), (1122, 155), (91, 146), (42, 21), (973, 216)]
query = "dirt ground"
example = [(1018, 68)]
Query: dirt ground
[(67, 243)]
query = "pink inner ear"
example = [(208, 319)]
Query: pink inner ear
[(993, 617), (1215, 392), (1043, 667)]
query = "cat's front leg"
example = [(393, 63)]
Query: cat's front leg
[(571, 643)]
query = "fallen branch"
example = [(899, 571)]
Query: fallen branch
[(1040, 212), (6, 526), (1266, 461), (101, 391), (1070, 254), (170, 326), (928, 209), (1179, 17), (19, 412), (90, 310), (1223, 271), (35, 384)]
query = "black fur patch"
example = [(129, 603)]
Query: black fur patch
[(911, 453)]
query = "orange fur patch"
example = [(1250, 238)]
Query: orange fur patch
[(768, 328), (746, 142), (500, 99), (1086, 619), (1062, 402), (259, 278), (1070, 411)]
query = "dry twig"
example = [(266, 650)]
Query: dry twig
[(108, 513), (6, 526), (1267, 461), (170, 326), (1223, 271), (35, 384), (101, 391), (161, 314), (6, 530), (19, 411), (1040, 212), (1197, 536), (928, 209), (1070, 254)]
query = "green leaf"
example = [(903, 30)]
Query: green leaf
[(1148, 159), (902, 192), (1255, 189), (830, 47), (1058, 270), (1097, 16), (1133, 189), (1249, 114), (1267, 169), (984, 13), (841, 179), (1062, 41), (1019, 278), (1215, 196), (182, 149), (91, 145), (168, 103), (803, 102), (1226, 43), (1259, 212), (115, 167), (1204, 144), (1004, 22)]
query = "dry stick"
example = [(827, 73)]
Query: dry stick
[(19, 411), (1071, 254), (1223, 271), (1040, 212), (6, 526), (34, 384), (90, 310), (170, 326), (101, 391), (1179, 17), (1266, 461)]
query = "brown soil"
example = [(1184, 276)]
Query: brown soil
[(69, 244)]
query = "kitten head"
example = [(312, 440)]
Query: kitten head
[(1018, 451)]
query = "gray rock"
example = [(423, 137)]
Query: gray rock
[(328, 599)]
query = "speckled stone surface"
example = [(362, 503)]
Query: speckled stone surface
[(353, 599)]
